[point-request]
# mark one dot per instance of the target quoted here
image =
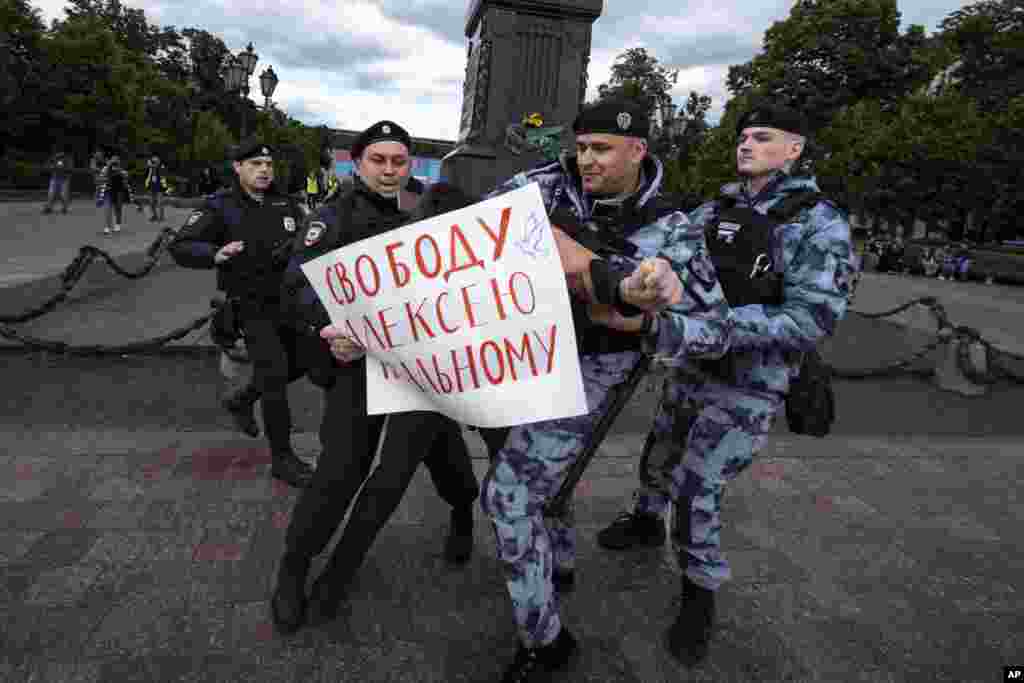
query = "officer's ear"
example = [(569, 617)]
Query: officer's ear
[(637, 149), (795, 145)]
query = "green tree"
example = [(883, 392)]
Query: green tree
[(832, 53), (638, 76), (988, 40), (23, 70)]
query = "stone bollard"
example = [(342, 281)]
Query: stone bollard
[(948, 372)]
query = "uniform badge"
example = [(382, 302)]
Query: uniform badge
[(289, 224), (623, 119), (315, 232), (386, 129), (194, 218), (727, 231)]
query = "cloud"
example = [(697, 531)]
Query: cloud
[(349, 63)]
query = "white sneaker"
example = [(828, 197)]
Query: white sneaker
[(106, 231), (117, 228)]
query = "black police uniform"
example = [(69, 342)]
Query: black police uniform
[(253, 279), (349, 436)]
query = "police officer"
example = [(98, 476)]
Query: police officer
[(246, 233), (374, 203), (785, 259), (643, 279)]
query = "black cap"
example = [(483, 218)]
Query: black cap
[(613, 117), (255, 147), (380, 132), (771, 115)]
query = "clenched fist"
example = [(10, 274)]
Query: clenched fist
[(343, 348), (653, 286)]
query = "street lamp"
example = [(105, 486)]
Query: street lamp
[(238, 71), (268, 82)]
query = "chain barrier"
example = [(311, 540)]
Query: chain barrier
[(946, 333), (76, 270)]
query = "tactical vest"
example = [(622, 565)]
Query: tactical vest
[(743, 248)]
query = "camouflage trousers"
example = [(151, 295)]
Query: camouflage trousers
[(704, 434), (523, 477)]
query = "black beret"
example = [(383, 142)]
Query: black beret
[(771, 115), (613, 117), (379, 132), (254, 147)]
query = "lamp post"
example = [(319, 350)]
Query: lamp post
[(237, 72), (668, 118), (268, 83)]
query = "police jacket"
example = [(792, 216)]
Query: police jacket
[(353, 214), (268, 230), (813, 257), (650, 224)]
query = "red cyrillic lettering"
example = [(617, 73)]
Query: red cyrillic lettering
[(468, 304), (440, 317), (474, 262), (497, 299), (368, 326), (348, 291), (413, 317), (471, 367), (426, 375), (398, 270), (352, 332), (515, 297), (386, 326), (499, 240), (409, 376), (373, 269), (550, 349), (442, 376), (487, 366), (419, 256), (526, 350)]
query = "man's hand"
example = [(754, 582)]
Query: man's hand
[(228, 251), (575, 257), (606, 315), (653, 286), (343, 348)]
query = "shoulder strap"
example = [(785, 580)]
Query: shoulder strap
[(793, 205)]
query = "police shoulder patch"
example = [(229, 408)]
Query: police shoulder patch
[(289, 224), (315, 233), (194, 218)]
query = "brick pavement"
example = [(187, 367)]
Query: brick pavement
[(878, 559)]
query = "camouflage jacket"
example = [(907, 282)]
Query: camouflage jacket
[(816, 257), (700, 326)]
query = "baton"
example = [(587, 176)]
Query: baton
[(556, 507)]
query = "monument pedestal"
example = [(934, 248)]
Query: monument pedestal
[(524, 56)]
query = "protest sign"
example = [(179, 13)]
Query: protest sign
[(466, 314)]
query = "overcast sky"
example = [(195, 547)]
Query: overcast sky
[(349, 63)]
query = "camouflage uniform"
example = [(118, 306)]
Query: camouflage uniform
[(707, 430), (528, 470)]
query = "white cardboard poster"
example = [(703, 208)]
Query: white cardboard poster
[(466, 314)]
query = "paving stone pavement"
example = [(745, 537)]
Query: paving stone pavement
[(876, 559)]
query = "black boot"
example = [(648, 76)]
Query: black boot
[(289, 468), (329, 590), (458, 547), (241, 405), (632, 529), (288, 604), (538, 663), (687, 639)]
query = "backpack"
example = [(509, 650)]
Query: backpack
[(810, 403)]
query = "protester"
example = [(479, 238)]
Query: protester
[(375, 203), (156, 185)]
